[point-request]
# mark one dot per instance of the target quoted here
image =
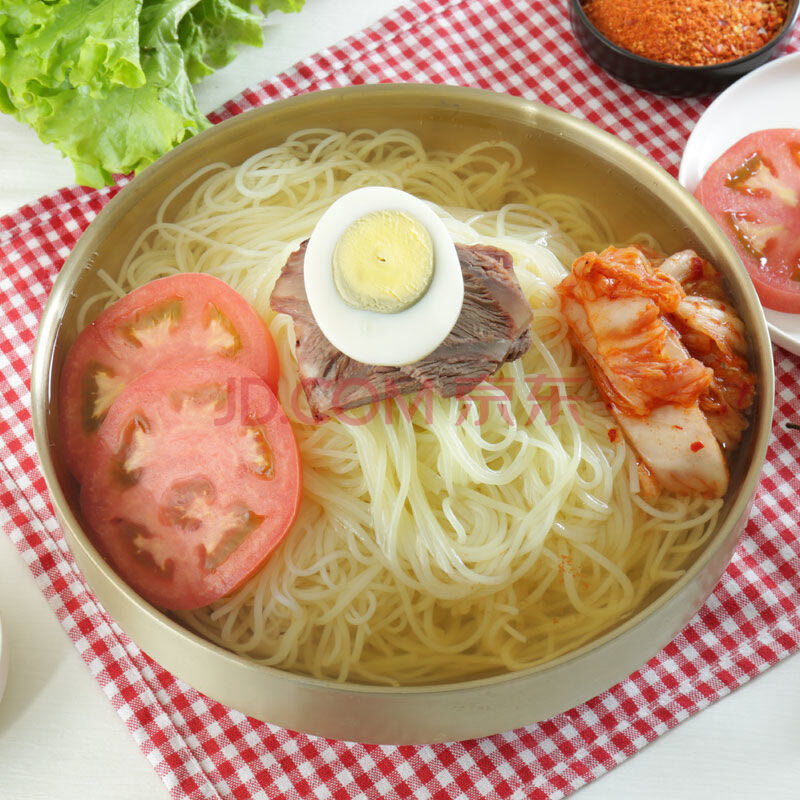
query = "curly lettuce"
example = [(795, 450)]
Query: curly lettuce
[(109, 82)]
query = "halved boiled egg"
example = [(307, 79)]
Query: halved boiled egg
[(383, 277)]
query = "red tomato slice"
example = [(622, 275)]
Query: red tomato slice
[(180, 318), (753, 192), (193, 480)]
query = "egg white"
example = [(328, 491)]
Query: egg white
[(369, 336)]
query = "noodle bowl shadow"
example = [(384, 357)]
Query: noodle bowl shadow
[(571, 156)]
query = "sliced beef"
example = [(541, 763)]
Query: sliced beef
[(493, 328)]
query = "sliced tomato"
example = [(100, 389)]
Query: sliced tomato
[(753, 192), (193, 479), (180, 318)]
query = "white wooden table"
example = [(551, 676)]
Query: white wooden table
[(61, 740)]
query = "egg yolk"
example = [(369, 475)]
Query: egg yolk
[(383, 262)]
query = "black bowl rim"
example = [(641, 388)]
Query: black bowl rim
[(707, 69)]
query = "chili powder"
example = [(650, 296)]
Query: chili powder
[(688, 32)]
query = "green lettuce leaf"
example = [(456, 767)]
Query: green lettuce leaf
[(89, 44), (109, 127), (276, 5), (210, 32), (109, 82)]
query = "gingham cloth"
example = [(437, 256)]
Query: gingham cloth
[(203, 749)]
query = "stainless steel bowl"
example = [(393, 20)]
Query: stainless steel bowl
[(570, 156)]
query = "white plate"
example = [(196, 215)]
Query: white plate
[(768, 97)]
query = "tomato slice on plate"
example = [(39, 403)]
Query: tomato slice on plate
[(183, 317), (193, 480), (753, 192)]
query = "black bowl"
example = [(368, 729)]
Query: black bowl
[(672, 79)]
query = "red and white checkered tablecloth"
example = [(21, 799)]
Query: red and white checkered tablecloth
[(203, 749)]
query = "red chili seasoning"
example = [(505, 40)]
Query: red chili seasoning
[(612, 434), (695, 446), (688, 32)]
